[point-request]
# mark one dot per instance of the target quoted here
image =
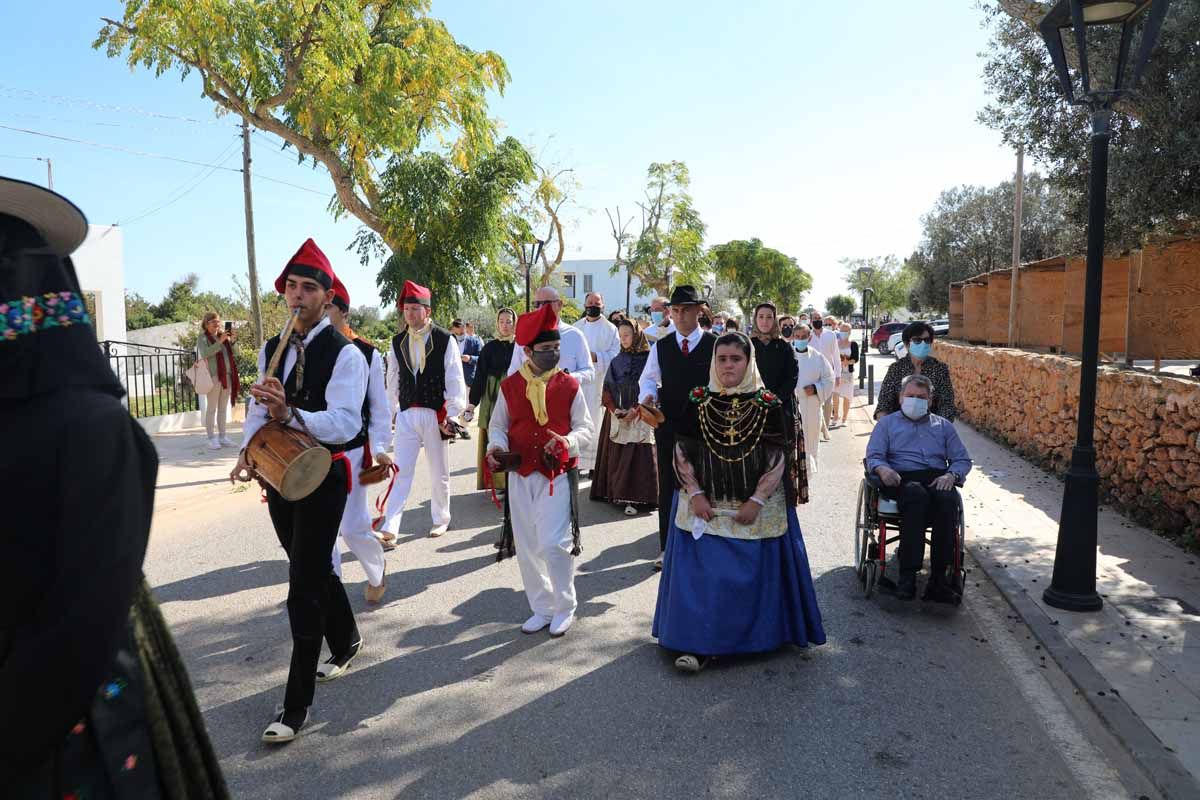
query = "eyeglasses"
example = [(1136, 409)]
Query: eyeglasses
[(927, 339), (540, 303)]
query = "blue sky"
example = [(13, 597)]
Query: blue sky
[(825, 134)]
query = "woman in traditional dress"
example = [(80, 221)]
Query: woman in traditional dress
[(489, 371), (626, 467), (735, 576), (776, 363)]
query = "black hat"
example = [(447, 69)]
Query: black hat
[(685, 295), (56, 219)]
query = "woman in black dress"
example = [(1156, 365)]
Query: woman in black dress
[(778, 368), (489, 371)]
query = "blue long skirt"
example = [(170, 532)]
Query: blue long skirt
[(719, 596)]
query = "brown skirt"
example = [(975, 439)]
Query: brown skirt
[(625, 474)]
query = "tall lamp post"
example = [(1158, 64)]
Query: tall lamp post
[(530, 252), (865, 273), (1101, 33)]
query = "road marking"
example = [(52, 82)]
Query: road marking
[(1091, 770)]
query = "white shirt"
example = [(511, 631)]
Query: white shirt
[(652, 373), (381, 413), (604, 342), (827, 345), (815, 370), (342, 419), (656, 332), (581, 424), (455, 393), (575, 356)]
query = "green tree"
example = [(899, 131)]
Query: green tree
[(1154, 161), (351, 85), (884, 276), (540, 213), (840, 305), (759, 274), (670, 247), (139, 313)]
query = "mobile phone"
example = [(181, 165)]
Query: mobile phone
[(228, 326)]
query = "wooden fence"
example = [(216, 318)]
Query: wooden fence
[(1149, 308)]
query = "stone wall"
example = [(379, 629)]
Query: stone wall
[(1147, 427)]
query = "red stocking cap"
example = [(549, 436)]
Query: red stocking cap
[(309, 262), (415, 293), (341, 297), (537, 326)]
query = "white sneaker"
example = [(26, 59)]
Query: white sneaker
[(438, 530), (535, 623), (630, 511), (226, 442), (213, 444), (561, 623)]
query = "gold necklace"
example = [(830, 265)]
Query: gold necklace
[(739, 423)]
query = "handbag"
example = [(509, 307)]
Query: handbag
[(198, 375)]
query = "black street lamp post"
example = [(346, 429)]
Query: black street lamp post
[(864, 273), (530, 252), (1103, 26)]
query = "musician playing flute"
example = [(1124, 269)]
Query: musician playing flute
[(318, 386)]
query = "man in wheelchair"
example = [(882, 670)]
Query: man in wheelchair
[(919, 459)]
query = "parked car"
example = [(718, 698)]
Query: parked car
[(879, 339), (941, 327), (895, 344)]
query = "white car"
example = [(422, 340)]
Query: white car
[(896, 345)]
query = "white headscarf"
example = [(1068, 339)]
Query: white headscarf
[(751, 381)]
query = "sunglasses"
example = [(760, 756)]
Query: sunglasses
[(540, 303), (925, 339)]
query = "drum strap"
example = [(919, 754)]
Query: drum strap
[(381, 501)]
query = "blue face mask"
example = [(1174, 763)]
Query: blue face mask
[(843, 336), (719, 328), (801, 345), (656, 316), (920, 349), (914, 407)]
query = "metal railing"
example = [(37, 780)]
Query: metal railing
[(152, 377)]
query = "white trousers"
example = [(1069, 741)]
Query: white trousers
[(216, 409), (589, 448), (417, 428), (355, 530), (542, 530), (812, 417)]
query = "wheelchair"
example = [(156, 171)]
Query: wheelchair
[(878, 526)]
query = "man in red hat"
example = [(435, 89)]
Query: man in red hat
[(363, 451), (318, 387), (541, 414), (425, 388)]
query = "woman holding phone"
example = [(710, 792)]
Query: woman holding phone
[(216, 348)]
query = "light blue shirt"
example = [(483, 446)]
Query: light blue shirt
[(907, 446)]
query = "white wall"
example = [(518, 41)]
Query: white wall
[(100, 264), (611, 286)]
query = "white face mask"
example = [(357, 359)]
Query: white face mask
[(914, 407)]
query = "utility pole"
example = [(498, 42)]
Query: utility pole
[(49, 175), (1019, 191), (255, 300)]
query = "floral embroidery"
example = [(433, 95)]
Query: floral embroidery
[(130, 763), (113, 689), (767, 399), (33, 314), (698, 394)]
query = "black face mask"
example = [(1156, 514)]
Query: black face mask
[(705, 322), (787, 330), (545, 359), (593, 311), (818, 324)]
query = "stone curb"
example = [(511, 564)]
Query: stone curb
[(1158, 764)]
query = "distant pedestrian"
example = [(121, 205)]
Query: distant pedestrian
[(216, 348), (814, 385), (847, 358), (490, 370), (626, 473)]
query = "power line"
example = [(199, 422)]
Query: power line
[(57, 99), (185, 189)]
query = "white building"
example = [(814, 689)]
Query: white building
[(100, 265), (576, 278)]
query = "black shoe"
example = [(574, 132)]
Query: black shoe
[(906, 587), (937, 591)]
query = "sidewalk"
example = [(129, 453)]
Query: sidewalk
[(1137, 661), (188, 470)]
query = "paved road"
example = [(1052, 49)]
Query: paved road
[(450, 700)]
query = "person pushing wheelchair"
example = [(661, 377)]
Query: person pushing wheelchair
[(920, 459)]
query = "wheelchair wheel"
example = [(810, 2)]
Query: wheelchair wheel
[(862, 531), (959, 579), (870, 577)]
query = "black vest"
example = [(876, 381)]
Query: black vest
[(320, 357), (681, 374), (427, 389)]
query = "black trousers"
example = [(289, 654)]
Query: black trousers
[(317, 604), (664, 444), (920, 506)]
